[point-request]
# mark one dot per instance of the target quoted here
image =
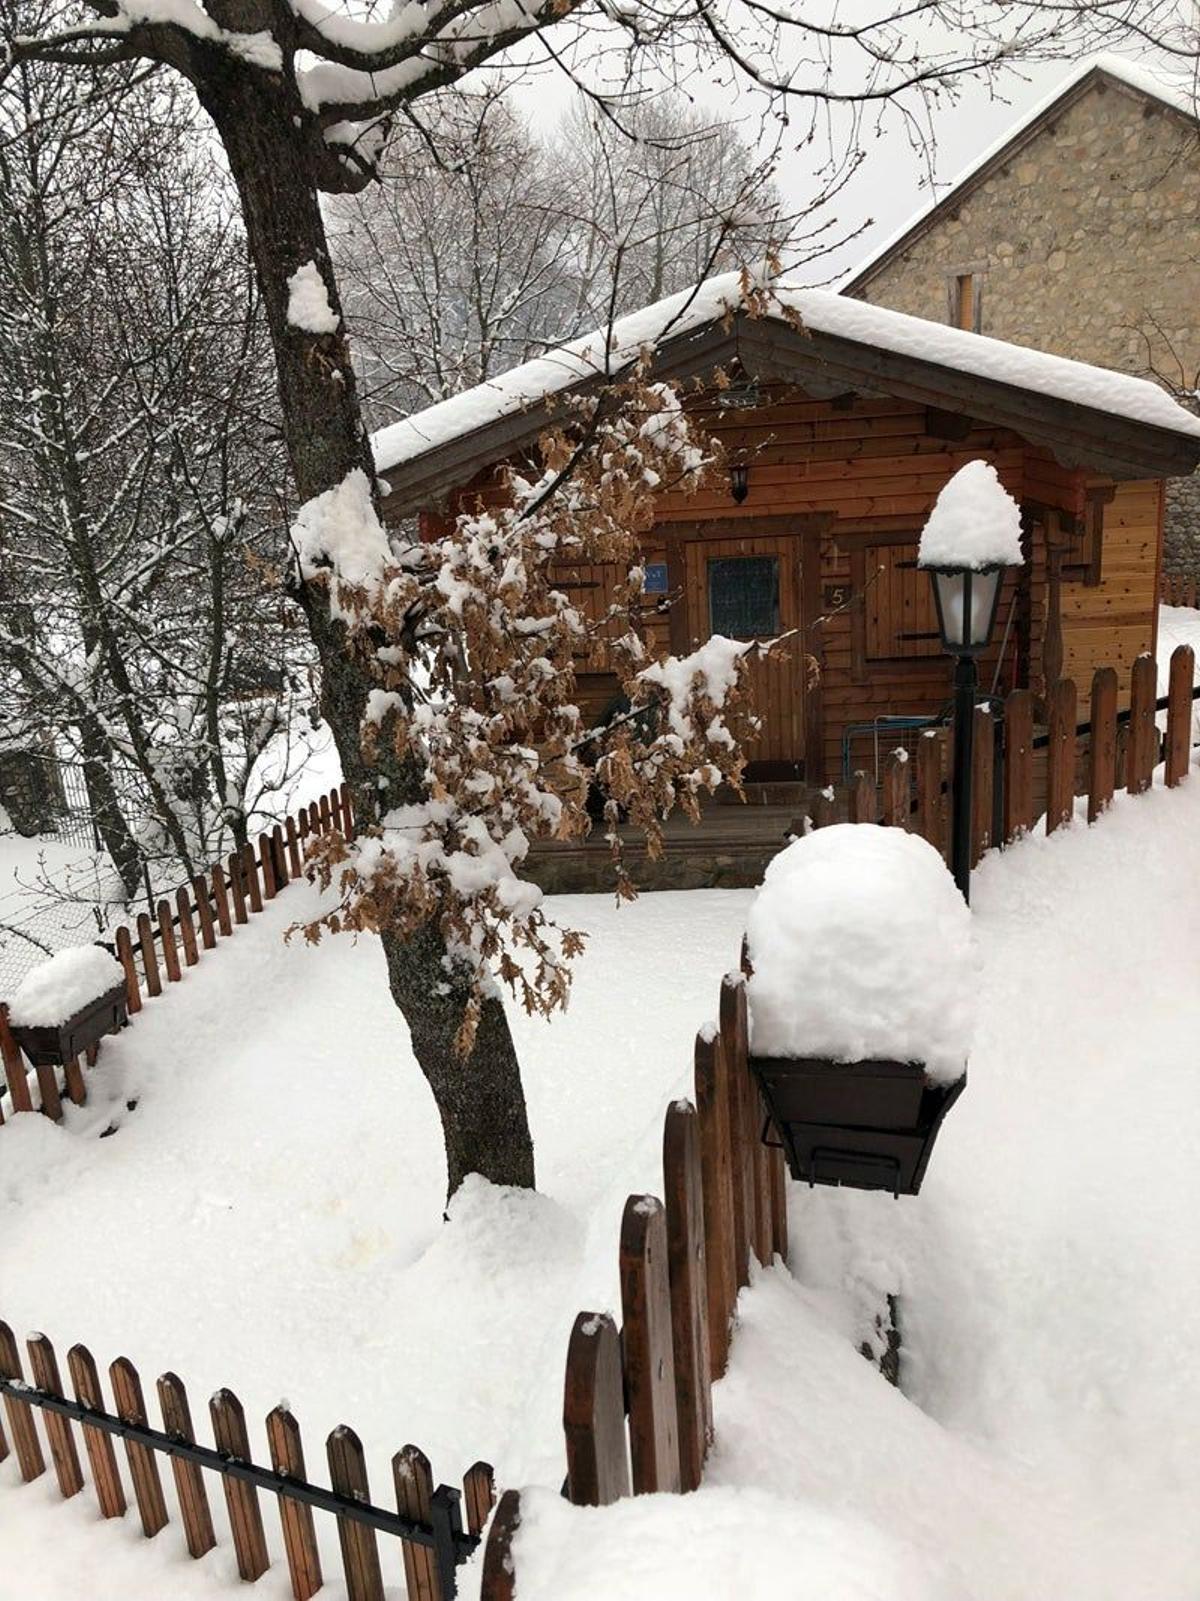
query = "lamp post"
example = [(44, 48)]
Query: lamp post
[(972, 534), (966, 599)]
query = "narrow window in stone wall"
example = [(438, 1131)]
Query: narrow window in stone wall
[(966, 306)]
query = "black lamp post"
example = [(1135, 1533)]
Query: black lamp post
[(966, 599)]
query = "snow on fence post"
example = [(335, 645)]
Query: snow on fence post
[(241, 1498), (479, 1495), (102, 1459), (824, 807), (1102, 743), (1060, 755), (412, 1477), (862, 804), (683, 1189), (649, 1359), (1018, 765), (296, 1519), (143, 1469), (189, 1480), (499, 1579), (360, 1548), (895, 790), (133, 992), (15, 1073), (30, 1461), (594, 1412), (1179, 713), (712, 1107), (43, 1364)]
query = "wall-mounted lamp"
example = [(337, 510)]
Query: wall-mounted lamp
[(739, 481)]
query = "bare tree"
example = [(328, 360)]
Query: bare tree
[(512, 240), (134, 471), (302, 96)]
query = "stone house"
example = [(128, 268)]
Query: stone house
[(1076, 234)]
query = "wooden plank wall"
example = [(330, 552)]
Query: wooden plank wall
[(1111, 623), (873, 468)]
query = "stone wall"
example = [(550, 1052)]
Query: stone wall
[(1083, 243)]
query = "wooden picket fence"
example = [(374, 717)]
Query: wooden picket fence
[(637, 1404), (1023, 769), (1175, 590), (188, 923), (427, 1520)]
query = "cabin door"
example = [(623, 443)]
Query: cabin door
[(749, 588)]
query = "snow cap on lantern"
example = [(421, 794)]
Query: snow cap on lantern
[(973, 533), (975, 523), (861, 948)]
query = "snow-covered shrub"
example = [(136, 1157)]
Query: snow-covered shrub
[(861, 948)]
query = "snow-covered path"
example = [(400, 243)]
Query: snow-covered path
[(269, 1218)]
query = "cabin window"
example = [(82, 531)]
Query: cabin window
[(743, 596), (966, 301), (901, 618)]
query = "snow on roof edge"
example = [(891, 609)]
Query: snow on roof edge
[(1131, 73), (821, 310)]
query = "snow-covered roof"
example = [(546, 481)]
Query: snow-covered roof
[(819, 311), (1175, 93)]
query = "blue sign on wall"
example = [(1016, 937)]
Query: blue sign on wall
[(656, 578)]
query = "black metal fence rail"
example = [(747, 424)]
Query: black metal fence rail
[(439, 1533)]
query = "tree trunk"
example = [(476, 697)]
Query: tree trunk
[(479, 1098)]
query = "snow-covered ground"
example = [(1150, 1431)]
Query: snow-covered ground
[(270, 1218)]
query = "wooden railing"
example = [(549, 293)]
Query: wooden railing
[(1032, 760), (1174, 590), (427, 1520), (637, 1404), (160, 950)]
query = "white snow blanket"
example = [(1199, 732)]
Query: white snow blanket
[(61, 986), (861, 947), (974, 523)]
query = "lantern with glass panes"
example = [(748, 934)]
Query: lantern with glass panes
[(972, 537)]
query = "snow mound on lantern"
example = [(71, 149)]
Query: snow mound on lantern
[(58, 988), (308, 302), (974, 523), (861, 947)]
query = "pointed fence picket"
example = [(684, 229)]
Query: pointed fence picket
[(428, 1521), (1022, 771), (162, 949)]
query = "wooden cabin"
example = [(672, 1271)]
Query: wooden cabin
[(844, 421)]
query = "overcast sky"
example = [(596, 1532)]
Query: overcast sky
[(893, 182)]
